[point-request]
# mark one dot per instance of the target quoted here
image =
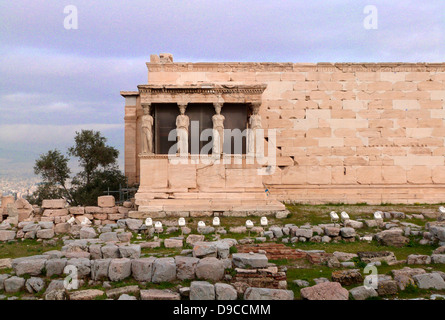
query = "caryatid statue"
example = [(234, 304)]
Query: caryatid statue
[(218, 130), (147, 130), (254, 129), (182, 130)]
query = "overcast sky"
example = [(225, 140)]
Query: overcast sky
[(54, 81)]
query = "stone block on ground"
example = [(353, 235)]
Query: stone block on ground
[(106, 201), (164, 270), (210, 269), (119, 269), (155, 294), (142, 269), (268, 294), (246, 260), (325, 291), (202, 290)]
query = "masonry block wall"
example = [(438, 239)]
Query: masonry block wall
[(345, 132)]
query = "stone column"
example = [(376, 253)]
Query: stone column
[(147, 130), (218, 130), (182, 130)]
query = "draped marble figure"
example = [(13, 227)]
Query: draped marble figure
[(218, 130), (182, 130), (147, 131), (255, 144)]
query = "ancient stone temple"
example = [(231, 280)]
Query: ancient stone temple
[(237, 138)]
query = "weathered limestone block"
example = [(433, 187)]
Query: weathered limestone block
[(429, 281), (205, 249), (268, 294), (14, 284), (106, 201), (173, 243), (347, 232), (225, 291), (347, 277), (89, 294), (418, 259), (34, 285), (83, 266), (62, 228), (77, 210), (87, 233), (186, 267), (210, 269), (155, 294), (392, 237), (164, 270), (119, 269), (246, 260), (7, 235), (45, 234), (363, 293), (325, 291), (387, 287), (55, 212), (55, 267), (29, 265), (194, 238), (202, 290), (109, 237), (114, 293), (131, 251), (99, 269), (438, 258), (54, 204), (142, 269), (92, 210)]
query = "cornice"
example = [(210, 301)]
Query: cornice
[(295, 67)]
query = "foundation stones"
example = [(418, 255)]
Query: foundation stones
[(186, 267), (387, 287), (55, 267), (33, 265), (34, 285), (99, 269), (164, 270), (418, 259), (142, 269), (325, 291), (246, 260), (363, 293), (202, 290), (347, 277), (268, 294), (393, 237), (225, 291), (155, 294), (87, 233), (210, 269), (132, 251), (14, 284), (429, 281), (119, 269)]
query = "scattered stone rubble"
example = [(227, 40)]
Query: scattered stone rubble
[(97, 243)]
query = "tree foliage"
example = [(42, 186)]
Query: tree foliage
[(98, 162)]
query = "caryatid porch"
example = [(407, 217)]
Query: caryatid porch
[(192, 180)]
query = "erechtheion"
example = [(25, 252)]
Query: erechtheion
[(330, 132)]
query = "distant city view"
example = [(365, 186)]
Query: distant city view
[(20, 186)]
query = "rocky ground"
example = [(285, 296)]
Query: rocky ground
[(303, 256)]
